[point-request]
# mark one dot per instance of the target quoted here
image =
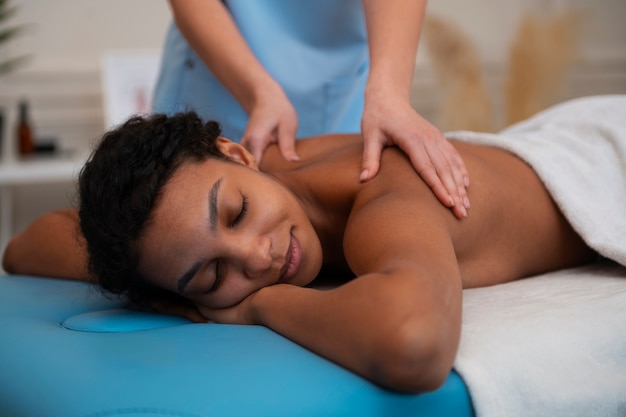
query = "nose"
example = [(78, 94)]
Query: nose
[(255, 255)]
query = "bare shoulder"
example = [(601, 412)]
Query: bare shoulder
[(397, 219), (309, 149)]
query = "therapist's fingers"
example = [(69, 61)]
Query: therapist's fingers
[(256, 138), (256, 148), (262, 131), (287, 142), (459, 171), (441, 167), (446, 182)]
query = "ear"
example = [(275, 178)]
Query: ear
[(236, 152)]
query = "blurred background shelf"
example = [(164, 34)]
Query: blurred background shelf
[(38, 171)]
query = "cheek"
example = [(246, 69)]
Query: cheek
[(232, 292)]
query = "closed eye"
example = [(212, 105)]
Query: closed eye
[(219, 275), (242, 212)]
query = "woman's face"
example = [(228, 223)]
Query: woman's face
[(223, 230)]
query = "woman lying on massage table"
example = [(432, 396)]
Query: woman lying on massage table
[(167, 204)]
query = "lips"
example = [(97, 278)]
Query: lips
[(293, 258)]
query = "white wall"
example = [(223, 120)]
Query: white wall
[(70, 35), (66, 39)]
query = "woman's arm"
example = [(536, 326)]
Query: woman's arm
[(212, 33), (386, 327), (50, 246), (393, 29), (396, 324)]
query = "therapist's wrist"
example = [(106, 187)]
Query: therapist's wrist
[(385, 99), (263, 91), (386, 89)]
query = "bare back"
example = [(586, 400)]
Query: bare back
[(514, 229)]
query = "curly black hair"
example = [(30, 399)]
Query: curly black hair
[(121, 183)]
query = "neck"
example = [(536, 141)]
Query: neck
[(326, 204), (325, 182), (315, 205)]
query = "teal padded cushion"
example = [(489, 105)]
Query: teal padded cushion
[(119, 320), (66, 350)]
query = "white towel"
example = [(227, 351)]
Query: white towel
[(578, 149), (555, 345), (548, 346)]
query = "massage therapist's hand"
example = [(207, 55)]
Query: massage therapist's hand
[(393, 30), (272, 120), (389, 122), (227, 54)]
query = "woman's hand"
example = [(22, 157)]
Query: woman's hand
[(272, 120), (241, 313), (389, 122), (175, 307)]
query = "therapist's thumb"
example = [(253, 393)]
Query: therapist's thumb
[(372, 150), (287, 144)]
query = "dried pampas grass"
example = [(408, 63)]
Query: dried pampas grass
[(540, 57), (466, 103), (539, 60)]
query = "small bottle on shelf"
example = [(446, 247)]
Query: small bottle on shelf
[(25, 141)]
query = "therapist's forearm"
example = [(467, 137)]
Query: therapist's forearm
[(212, 33), (393, 28)]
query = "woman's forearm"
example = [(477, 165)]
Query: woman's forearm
[(384, 328), (50, 246), (210, 30)]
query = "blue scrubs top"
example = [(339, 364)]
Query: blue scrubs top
[(316, 49)]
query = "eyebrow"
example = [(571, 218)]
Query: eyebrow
[(184, 280), (213, 213)]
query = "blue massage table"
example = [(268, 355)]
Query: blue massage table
[(69, 351)]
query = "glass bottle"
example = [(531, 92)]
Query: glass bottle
[(26, 145)]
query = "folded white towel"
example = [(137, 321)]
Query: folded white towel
[(555, 345)]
